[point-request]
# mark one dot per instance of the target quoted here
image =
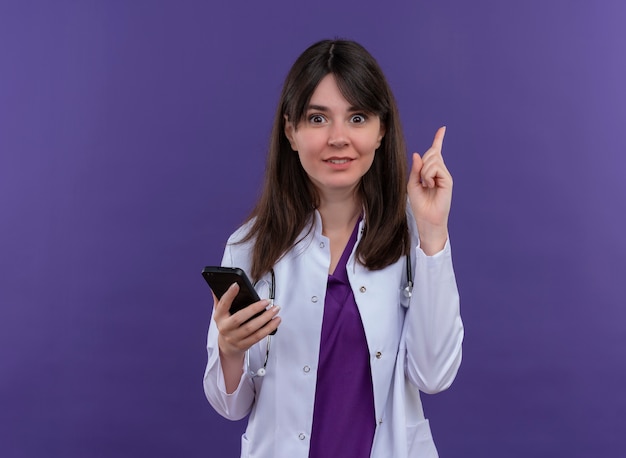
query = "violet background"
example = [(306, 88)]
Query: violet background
[(132, 143)]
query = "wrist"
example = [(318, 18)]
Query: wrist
[(229, 353), (432, 248), (433, 241)]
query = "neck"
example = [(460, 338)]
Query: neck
[(339, 213)]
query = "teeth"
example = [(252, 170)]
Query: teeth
[(338, 161)]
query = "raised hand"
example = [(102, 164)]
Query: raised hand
[(430, 195)]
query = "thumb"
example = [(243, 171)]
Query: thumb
[(416, 169), (222, 305)]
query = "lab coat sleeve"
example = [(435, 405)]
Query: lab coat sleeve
[(433, 331), (238, 404)]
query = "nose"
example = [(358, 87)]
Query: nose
[(337, 135)]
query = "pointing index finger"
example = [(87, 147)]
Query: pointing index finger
[(438, 141)]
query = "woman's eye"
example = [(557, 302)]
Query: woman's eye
[(316, 119), (358, 118)]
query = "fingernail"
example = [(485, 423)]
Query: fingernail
[(266, 304)]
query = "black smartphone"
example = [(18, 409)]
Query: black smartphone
[(220, 278)]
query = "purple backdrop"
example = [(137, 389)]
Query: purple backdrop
[(132, 142)]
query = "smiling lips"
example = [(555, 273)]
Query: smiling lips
[(338, 160)]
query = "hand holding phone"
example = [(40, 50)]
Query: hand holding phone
[(221, 278)]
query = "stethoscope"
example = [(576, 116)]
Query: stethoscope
[(261, 371), (407, 292)]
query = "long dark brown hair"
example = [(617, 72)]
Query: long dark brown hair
[(289, 199)]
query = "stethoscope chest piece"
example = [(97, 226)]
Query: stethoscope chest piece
[(408, 291)]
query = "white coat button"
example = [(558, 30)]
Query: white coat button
[(306, 369), (322, 244), (301, 436), (314, 299), (379, 355), (380, 421), (362, 289)]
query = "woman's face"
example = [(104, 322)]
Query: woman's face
[(335, 141)]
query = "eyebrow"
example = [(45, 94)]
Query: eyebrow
[(323, 108)]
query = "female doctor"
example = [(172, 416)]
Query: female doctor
[(359, 282)]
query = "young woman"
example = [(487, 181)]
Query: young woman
[(369, 308)]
